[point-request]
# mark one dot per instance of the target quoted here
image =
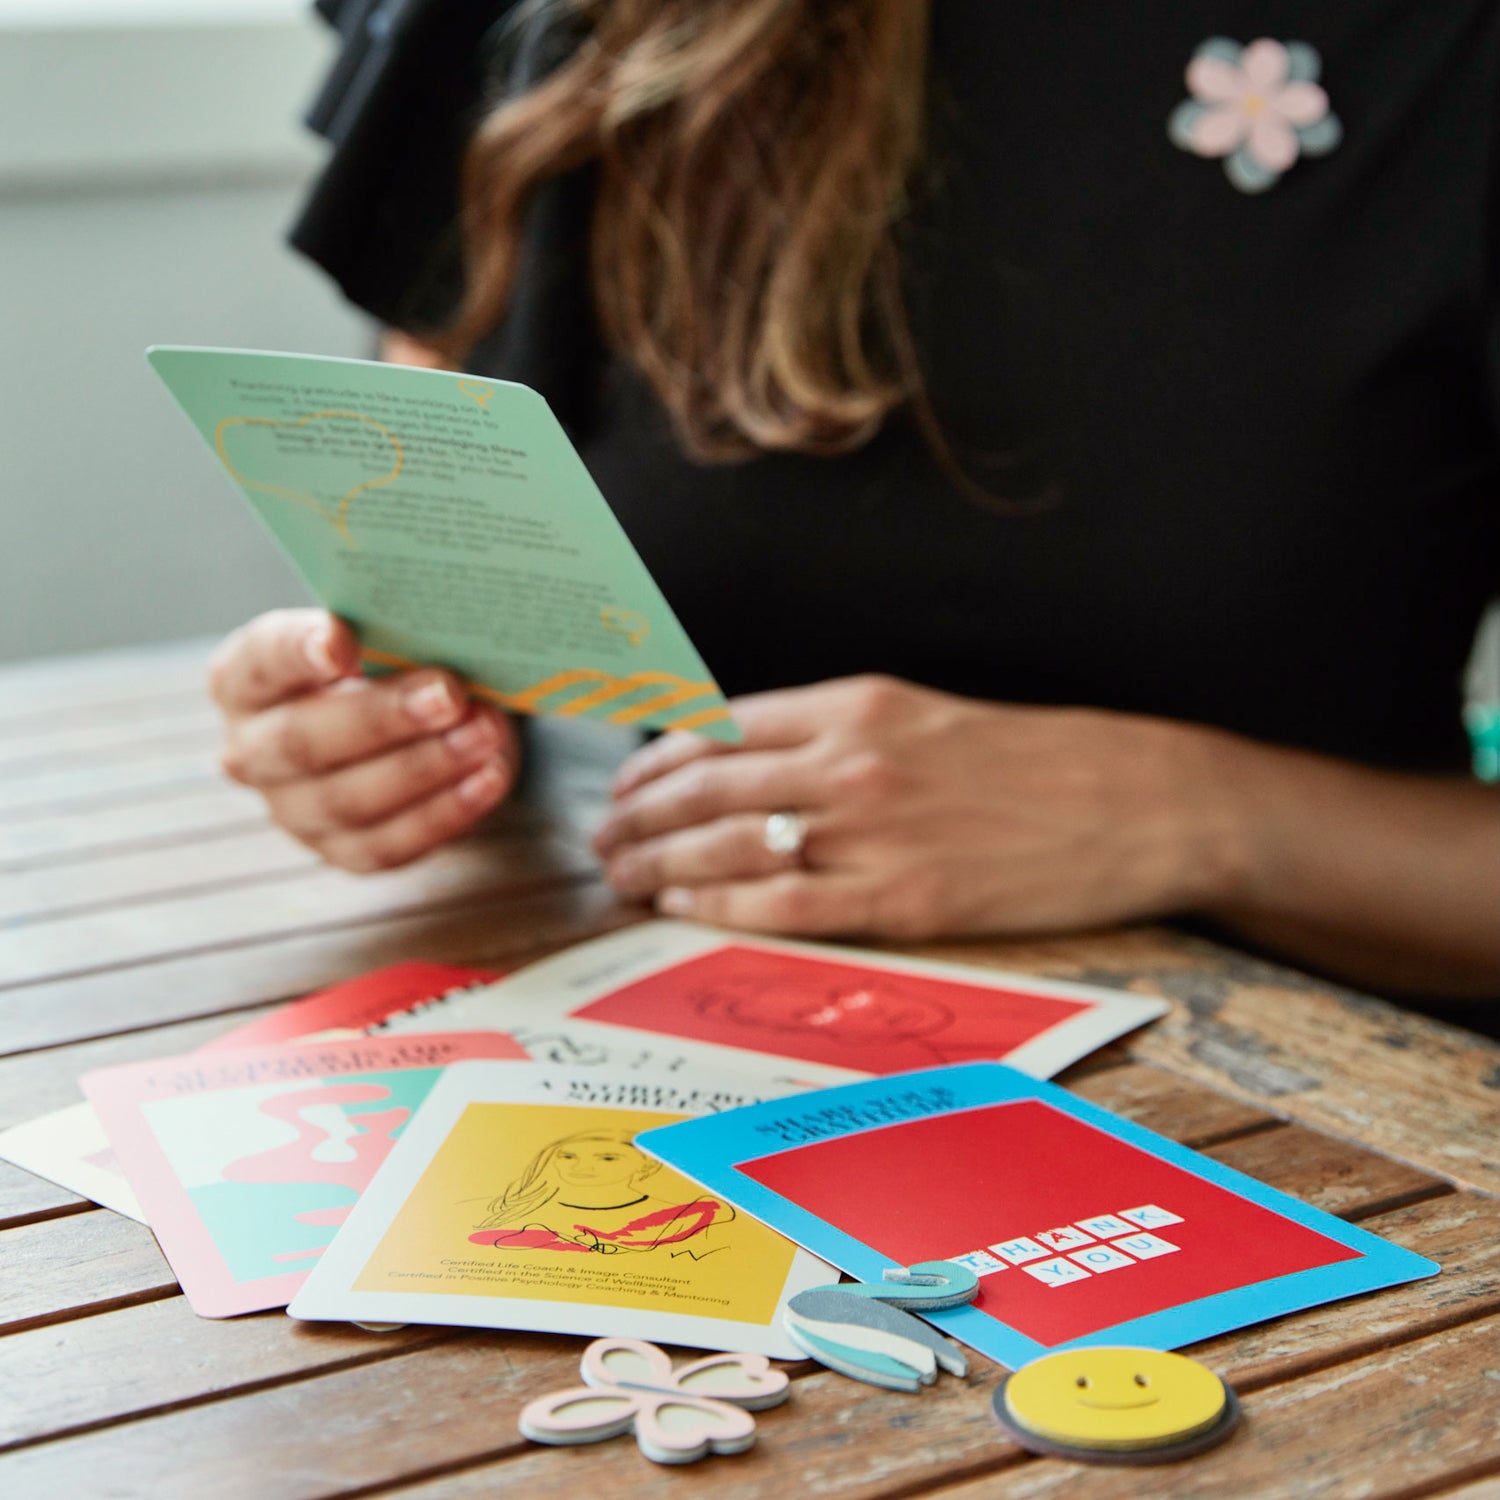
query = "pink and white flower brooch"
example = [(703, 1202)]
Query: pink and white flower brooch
[(1257, 107)]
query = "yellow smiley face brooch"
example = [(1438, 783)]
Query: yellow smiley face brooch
[(1116, 1405)]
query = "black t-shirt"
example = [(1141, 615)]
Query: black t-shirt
[(1251, 436)]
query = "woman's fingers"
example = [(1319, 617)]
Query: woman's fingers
[(370, 773), (731, 848), (771, 721), (316, 734), (279, 656), (417, 829), (796, 901), (372, 791), (711, 787)]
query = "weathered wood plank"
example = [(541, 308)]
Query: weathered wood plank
[(314, 899), (160, 1354), (103, 713), (71, 837), (78, 745), (494, 928), (1461, 1232), (1329, 1173), (1398, 1082), (1397, 1423), (830, 1411), (151, 1357), (1161, 1101), (315, 1437), (127, 676), (834, 1437), (33, 1083), (131, 878), (837, 1438), (86, 789), (1327, 1057), (24, 1197), (82, 1263), (1487, 1488)]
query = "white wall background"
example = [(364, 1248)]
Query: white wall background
[(151, 157), (150, 161)]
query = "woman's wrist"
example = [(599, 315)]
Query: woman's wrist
[(1214, 774), (1388, 879)]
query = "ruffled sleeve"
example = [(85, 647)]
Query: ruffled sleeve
[(411, 81)]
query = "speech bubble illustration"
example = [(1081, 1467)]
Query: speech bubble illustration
[(477, 392), (634, 627), (332, 445)]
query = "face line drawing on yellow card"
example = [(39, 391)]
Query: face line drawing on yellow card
[(339, 520), (521, 1201)]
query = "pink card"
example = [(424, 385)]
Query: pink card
[(247, 1163), (69, 1147)]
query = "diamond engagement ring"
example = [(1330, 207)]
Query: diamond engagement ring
[(785, 833)]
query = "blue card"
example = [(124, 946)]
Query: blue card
[(1084, 1228)]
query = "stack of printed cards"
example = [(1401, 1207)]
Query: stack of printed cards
[(69, 1146), (437, 1144), (247, 1161)]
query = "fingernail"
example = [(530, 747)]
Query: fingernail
[(482, 787), (431, 703), (317, 647), (473, 738), (675, 901)]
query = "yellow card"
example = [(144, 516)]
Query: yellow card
[(517, 1199)]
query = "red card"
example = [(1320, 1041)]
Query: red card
[(356, 1004), (1124, 1233), (846, 1015)]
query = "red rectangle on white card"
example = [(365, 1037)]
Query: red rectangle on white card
[(842, 1014)]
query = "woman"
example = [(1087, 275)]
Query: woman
[(1076, 440), (589, 1193)]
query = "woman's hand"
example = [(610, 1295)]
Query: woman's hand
[(369, 773), (926, 814)]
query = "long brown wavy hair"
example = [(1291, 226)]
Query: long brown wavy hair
[(754, 158)]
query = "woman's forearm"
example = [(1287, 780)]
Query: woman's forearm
[(1389, 880)]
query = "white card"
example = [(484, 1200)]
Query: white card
[(675, 993), (69, 1147)]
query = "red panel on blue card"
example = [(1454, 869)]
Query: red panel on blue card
[(1072, 1229), (845, 1015)]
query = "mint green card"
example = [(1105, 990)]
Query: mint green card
[(452, 523)]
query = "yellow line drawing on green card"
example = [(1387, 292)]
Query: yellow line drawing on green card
[(635, 628), (450, 520), (340, 517)]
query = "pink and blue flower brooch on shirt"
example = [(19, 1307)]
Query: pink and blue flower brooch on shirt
[(1258, 108)]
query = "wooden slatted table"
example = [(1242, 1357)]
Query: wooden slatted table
[(145, 907)]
